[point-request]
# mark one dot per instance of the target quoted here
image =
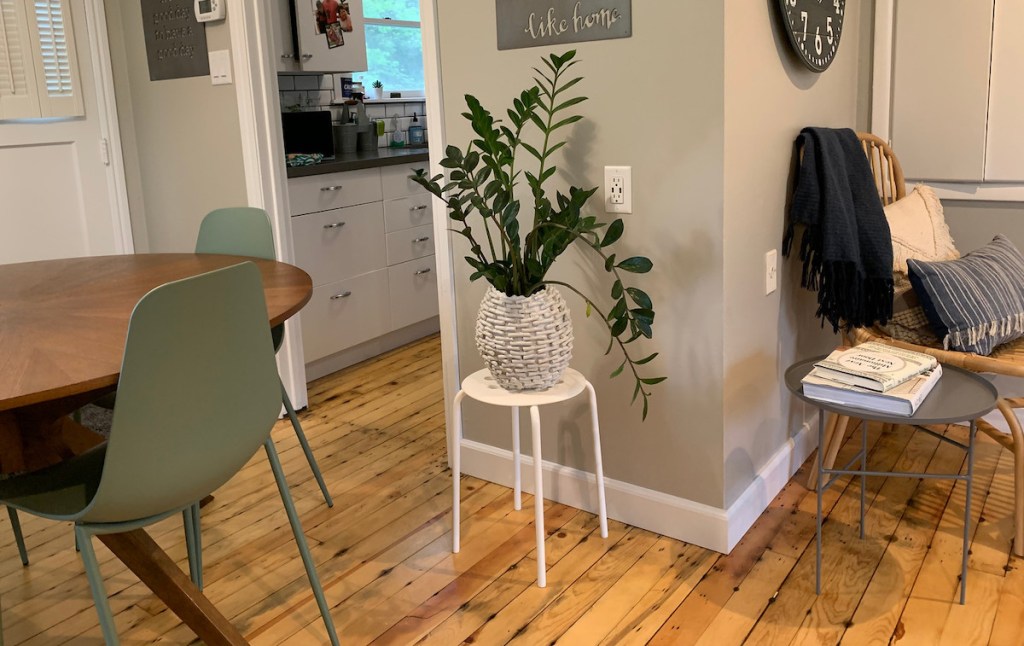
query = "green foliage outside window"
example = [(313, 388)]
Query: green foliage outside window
[(394, 54)]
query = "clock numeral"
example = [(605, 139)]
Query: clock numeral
[(792, 3), (803, 16), (828, 28), (835, 3), (817, 40)]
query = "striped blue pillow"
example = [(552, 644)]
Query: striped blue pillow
[(975, 303)]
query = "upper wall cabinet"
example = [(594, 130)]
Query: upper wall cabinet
[(330, 37), (956, 96)]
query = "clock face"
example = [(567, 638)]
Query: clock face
[(814, 28)]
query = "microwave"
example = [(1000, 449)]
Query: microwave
[(308, 132)]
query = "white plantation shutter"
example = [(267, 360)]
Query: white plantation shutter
[(18, 97), (38, 67)]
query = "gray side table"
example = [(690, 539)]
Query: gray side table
[(959, 396)]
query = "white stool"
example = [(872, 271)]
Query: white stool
[(482, 387)]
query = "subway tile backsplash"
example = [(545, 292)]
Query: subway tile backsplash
[(317, 92)]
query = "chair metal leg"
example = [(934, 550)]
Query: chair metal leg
[(99, 595), (314, 467), (300, 540), (198, 541), (19, 538)]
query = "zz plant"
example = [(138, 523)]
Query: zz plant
[(482, 181)]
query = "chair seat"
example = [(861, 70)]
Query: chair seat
[(59, 491)]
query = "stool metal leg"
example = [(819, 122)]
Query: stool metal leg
[(967, 512), (538, 497), (820, 487), (456, 466), (602, 510), (517, 493)]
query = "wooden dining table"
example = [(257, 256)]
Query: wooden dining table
[(63, 325)]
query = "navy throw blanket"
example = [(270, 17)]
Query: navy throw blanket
[(846, 246)]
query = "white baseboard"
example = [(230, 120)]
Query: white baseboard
[(693, 522)]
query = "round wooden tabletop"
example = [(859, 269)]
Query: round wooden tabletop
[(63, 323)]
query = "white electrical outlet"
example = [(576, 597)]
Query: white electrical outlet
[(771, 271), (618, 189)]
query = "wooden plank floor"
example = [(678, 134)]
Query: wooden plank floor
[(383, 551)]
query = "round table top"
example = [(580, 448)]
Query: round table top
[(63, 323), (482, 387), (959, 396)]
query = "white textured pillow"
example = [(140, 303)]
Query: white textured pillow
[(919, 230)]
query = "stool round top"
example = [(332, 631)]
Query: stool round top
[(482, 387)]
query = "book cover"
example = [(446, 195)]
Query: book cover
[(875, 366), (904, 399)]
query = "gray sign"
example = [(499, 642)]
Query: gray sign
[(175, 40), (531, 23)]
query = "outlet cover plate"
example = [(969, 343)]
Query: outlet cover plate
[(618, 189)]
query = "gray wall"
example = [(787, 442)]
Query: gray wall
[(769, 97), (180, 137), (975, 223), (656, 104)]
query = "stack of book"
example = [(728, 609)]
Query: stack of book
[(874, 376)]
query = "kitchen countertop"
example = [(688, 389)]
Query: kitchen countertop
[(356, 161)]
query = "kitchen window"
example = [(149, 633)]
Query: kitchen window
[(38, 70), (394, 50)]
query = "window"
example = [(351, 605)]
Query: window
[(394, 51), (38, 70)]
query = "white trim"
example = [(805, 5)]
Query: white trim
[(388, 22), (442, 237), (881, 75), (266, 182), (106, 108), (693, 522), (976, 192)]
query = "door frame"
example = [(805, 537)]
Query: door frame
[(259, 108)]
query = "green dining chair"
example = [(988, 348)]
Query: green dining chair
[(202, 340), (246, 231)]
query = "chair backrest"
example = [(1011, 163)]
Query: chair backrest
[(885, 167), (198, 395), (239, 231)]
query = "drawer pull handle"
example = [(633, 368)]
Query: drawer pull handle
[(423, 239), (420, 272), (334, 225), (306, 57), (332, 188), (287, 56), (421, 207), (340, 296)]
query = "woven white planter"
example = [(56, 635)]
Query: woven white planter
[(525, 341)]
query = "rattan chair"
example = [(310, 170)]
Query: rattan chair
[(1007, 359)]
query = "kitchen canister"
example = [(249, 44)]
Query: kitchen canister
[(345, 138), (367, 137)]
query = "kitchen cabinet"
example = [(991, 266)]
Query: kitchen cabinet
[(307, 46), (366, 239)]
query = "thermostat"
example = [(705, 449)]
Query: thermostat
[(208, 10)]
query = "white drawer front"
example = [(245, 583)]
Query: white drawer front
[(395, 179), (410, 244), (333, 190), (408, 212), (341, 243), (346, 313), (413, 292)]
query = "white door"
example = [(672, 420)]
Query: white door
[(57, 192)]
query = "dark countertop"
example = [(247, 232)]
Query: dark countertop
[(356, 161)]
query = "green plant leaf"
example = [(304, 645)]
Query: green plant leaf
[(568, 104), (617, 371), (640, 297), (620, 326), (617, 289), (646, 359), (565, 122), (636, 265), (609, 262), (650, 381), (530, 149), (618, 310), (613, 233), (641, 314)]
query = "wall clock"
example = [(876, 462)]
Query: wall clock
[(814, 28)]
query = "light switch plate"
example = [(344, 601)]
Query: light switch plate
[(771, 271), (220, 67)]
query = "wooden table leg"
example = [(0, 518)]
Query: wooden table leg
[(154, 568), (12, 452)]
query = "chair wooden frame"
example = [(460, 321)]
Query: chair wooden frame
[(1006, 360)]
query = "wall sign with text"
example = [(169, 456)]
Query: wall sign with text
[(532, 23), (175, 40)]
